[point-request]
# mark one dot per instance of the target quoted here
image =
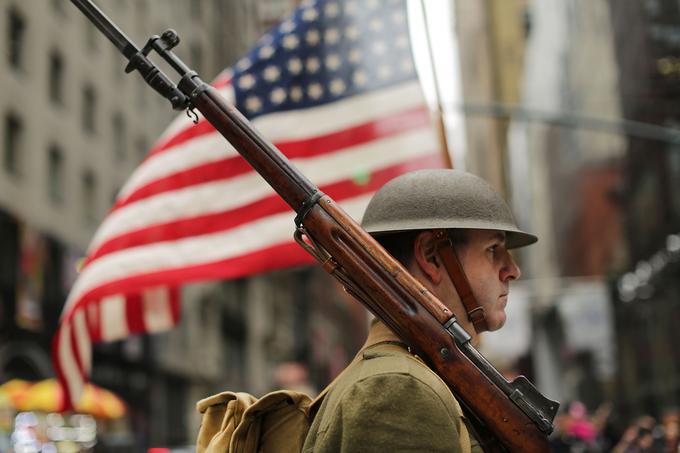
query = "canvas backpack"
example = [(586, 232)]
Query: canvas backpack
[(240, 423)]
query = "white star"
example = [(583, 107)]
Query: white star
[(372, 4), (407, 65), (384, 72), (294, 65), (398, 17), (352, 32), (287, 26), (271, 73), (290, 42), (333, 62), (351, 7), (376, 25), (360, 78), (332, 9), (312, 37), (315, 90), (313, 65), (354, 56), (266, 52), (402, 41), (379, 47), (295, 93), (253, 104), (332, 36), (278, 95), (310, 14), (244, 63), (338, 87), (246, 82)]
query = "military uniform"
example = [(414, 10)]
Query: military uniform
[(388, 400)]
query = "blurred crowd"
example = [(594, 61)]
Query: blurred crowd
[(577, 430)]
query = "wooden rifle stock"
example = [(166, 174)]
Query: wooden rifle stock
[(350, 254)]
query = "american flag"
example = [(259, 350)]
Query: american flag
[(334, 87)]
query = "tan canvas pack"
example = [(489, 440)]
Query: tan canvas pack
[(241, 423)]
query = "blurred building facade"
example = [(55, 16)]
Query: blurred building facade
[(581, 137)]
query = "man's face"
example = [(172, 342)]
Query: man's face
[(489, 268)]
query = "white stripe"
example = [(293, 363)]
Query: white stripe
[(278, 127), (83, 342), (228, 194), (156, 309), (67, 363), (113, 319), (196, 250)]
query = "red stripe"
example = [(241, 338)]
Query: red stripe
[(56, 347), (195, 130), (270, 205), (309, 147), (134, 313), (174, 303), (94, 324), (287, 254)]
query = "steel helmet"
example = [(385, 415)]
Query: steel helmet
[(441, 198)]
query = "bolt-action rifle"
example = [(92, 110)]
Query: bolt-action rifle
[(509, 416)]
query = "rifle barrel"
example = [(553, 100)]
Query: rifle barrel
[(107, 27)]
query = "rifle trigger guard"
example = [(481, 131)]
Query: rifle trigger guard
[(307, 206)]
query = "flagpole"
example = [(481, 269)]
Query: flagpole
[(439, 112)]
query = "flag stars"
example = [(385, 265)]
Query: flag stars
[(376, 25), (354, 56), (332, 36), (271, 73), (384, 72), (253, 104), (313, 65), (360, 78), (333, 62), (352, 32), (351, 7), (294, 66), (372, 4), (290, 42), (379, 48), (266, 52), (310, 14), (287, 26), (332, 10), (295, 94), (312, 37), (246, 82), (407, 65), (277, 96), (338, 87), (315, 91), (398, 18), (401, 42), (243, 64)]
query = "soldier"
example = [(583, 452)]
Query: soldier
[(438, 224)]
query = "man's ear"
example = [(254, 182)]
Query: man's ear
[(426, 257)]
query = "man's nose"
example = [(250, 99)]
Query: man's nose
[(510, 270)]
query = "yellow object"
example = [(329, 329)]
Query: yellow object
[(47, 396)]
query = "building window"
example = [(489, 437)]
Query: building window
[(89, 109), (15, 38), (56, 75), (13, 136), (89, 197), (118, 126), (55, 174)]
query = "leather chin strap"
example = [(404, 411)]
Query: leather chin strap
[(447, 253)]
